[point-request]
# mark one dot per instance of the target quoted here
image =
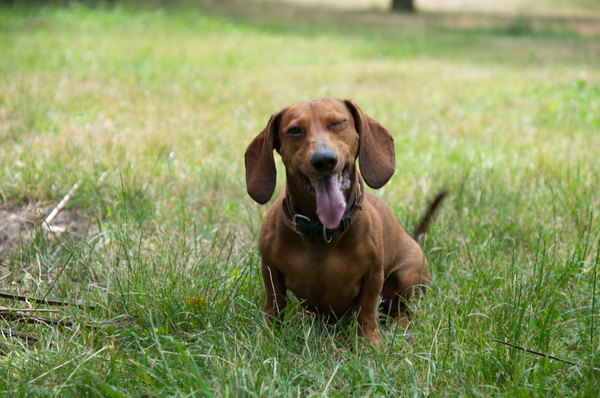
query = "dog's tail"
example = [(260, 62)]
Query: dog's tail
[(426, 220)]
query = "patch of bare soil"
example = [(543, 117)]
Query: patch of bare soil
[(19, 223)]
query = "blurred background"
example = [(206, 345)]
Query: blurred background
[(151, 104)]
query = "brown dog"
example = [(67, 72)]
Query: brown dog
[(334, 246)]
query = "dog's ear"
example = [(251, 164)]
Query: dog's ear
[(377, 154), (261, 175)]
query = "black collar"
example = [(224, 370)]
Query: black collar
[(303, 225), (314, 229)]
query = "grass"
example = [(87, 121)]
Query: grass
[(529, 7), (153, 108)]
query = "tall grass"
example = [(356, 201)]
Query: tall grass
[(153, 109)]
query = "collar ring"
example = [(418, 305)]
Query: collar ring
[(325, 235)]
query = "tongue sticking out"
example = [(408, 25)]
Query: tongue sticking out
[(330, 200)]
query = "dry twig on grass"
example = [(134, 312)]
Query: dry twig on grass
[(45, 301), (21, 317), (62, 203), (34, 319), (541, 354), (28, 310), (37, 319), (29, 339)]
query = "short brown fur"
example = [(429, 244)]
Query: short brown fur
[(374, 258)]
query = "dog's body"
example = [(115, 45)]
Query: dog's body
[(338, 269)]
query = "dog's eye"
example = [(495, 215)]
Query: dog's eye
[(336, 125), (295, 131)]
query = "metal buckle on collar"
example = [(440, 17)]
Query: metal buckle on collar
[(295, 223), (325, 235)]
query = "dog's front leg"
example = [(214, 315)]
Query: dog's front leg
[(275, 291), (366, 307)]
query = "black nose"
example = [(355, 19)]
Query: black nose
[(324, 161)]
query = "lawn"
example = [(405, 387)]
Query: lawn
[(152, 108)]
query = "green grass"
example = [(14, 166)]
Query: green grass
[(153, 108)]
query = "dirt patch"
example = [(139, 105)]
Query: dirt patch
[(19, 223)]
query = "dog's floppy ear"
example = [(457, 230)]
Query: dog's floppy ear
[(261, 175), (377, 154)]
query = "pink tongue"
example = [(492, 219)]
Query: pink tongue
[(330, 201)]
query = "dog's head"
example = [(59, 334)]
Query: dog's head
[(319, 142)]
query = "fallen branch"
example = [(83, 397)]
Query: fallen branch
[(541, 354), (36, 319), (45, 301), (121, 322), (62, 203), (27, 310), (33, 319), (29, 339)]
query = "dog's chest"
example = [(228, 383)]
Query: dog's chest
[(326, 282)]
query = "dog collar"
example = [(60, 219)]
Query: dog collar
[(314, 229)]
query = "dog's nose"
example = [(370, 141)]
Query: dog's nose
[(324, 161)]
